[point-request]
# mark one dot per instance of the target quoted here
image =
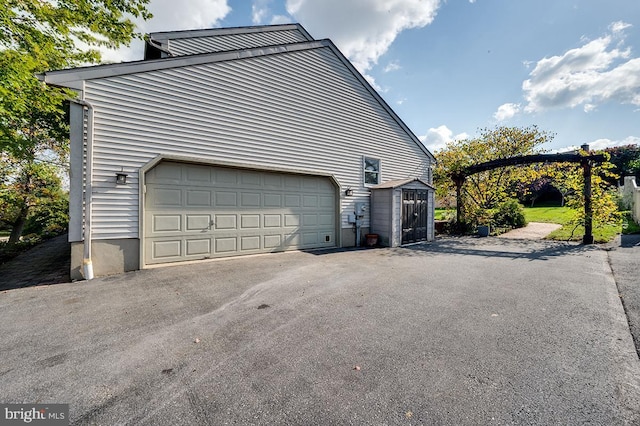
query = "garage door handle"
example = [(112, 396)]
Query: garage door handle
[(211, 224)]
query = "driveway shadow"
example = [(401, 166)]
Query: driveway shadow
[(494, 247), (632, 240), (44, 264)]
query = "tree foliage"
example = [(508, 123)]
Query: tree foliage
[(625, 159), (603, 194), (486, 190), (36, 36)]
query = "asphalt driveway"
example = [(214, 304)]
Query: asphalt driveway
[(461, 331)]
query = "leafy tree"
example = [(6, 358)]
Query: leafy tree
[(603, 195), (33, 187), (625, 159), (37, 36), (486, 190)]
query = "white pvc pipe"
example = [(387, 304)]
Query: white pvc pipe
[(87, 266)]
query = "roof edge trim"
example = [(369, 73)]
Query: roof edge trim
[(174, 35)]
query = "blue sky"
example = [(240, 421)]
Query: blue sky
[(450, 68)]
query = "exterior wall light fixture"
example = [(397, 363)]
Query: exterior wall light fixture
[(121, 177), (348, 192)]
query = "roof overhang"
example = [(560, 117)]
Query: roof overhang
[(397, 183)]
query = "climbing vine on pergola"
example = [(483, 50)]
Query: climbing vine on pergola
[(585, 161)]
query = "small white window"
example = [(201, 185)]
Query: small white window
[(371, 171)]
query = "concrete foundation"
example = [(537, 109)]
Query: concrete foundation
[(349, 237), (107, 256)]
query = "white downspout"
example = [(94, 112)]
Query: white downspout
[(87, 266)]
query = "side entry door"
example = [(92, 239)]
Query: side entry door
[(414, 215)]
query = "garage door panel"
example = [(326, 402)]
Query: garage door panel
[(198, 247), (310, 238), (310, 201), (309, 220), (250, 243), (165, 249), (291, 200), (272, 221), (195, 212), (166, 197), (198, 198), (292, 182), (272, 241), (167, 223), (326, 201), (250, 221), (225, 245), (198, 222), (250, 199), (198, 174), (226, 199), (326, 220), (226, 221), (273, 200), (291, 220)]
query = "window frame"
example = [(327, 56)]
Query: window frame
[(366, 172)]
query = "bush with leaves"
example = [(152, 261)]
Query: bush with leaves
[(509, 214)]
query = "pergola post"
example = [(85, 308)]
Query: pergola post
[(588, 211), (459, 181)]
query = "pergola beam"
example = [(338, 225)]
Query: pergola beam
[(586, 161)]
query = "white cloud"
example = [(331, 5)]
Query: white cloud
[(592, 74), (506, 111), (437, 138), (259, 11), (619, 26), (401, 101), (171, 16), (280, 19), (362, 29), (392, 66)]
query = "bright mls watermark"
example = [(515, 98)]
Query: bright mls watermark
[(35, 414)]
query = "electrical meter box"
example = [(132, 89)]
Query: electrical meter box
[(361, 209)]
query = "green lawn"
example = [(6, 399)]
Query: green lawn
[(441, 213), (559, 215), (563, 216)]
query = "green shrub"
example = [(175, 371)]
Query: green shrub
[(508, 214), (49, 219)]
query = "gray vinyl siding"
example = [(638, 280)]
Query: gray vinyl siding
[(301, 110), (219, 43)]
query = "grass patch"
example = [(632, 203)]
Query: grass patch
[(563, 216), (629, 226), (444, 213), (602, 234), (559, 215)]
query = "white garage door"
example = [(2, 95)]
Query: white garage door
[(198, 212)]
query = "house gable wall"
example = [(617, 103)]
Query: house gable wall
[(301, 110)]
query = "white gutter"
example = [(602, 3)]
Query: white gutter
[(87, 266)]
